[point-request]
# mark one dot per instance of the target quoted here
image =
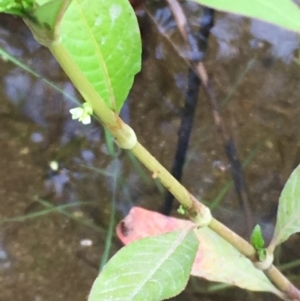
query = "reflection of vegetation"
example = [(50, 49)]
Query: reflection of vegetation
[(58, 209), (216, 202), (6, 56)]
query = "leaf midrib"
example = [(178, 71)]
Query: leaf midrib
[(99, 55), (145, 279)]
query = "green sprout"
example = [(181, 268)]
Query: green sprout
[(83, 114), (257, 241), (181, 210)]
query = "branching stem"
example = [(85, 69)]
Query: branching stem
[(195, 209)]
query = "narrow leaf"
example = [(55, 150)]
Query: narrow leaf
[(153, 268), (216, 259), (257, 239), (288, 221), (284, 13), (102, 37)]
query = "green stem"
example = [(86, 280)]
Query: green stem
[(122, 132), (158, 171)]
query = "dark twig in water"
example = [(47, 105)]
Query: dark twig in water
[(229, 145), (184, 132), (197, 50)]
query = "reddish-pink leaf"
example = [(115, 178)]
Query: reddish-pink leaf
[(216, 259)]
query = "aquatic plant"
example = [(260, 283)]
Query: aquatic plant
[(98, 45)]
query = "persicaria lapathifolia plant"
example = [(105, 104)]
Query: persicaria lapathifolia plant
[(98, 45)]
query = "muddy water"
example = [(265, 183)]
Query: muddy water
[(56, 256)]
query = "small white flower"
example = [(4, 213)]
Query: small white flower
[(54, 165), (83, 114)]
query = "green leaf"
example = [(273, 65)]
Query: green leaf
[(181, 210), (216, 259), (220, 261), (44, 19), (284, 13), (14, 7), (48, 13), (288, 214), (43, 2), (257, 239), (102, 38), (153, 268)]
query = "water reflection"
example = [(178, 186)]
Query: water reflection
[(228, 30), (283, 43), (5, 262)]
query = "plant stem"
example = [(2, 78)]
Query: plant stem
[(108, 118), (122, 132), (158, 171)]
